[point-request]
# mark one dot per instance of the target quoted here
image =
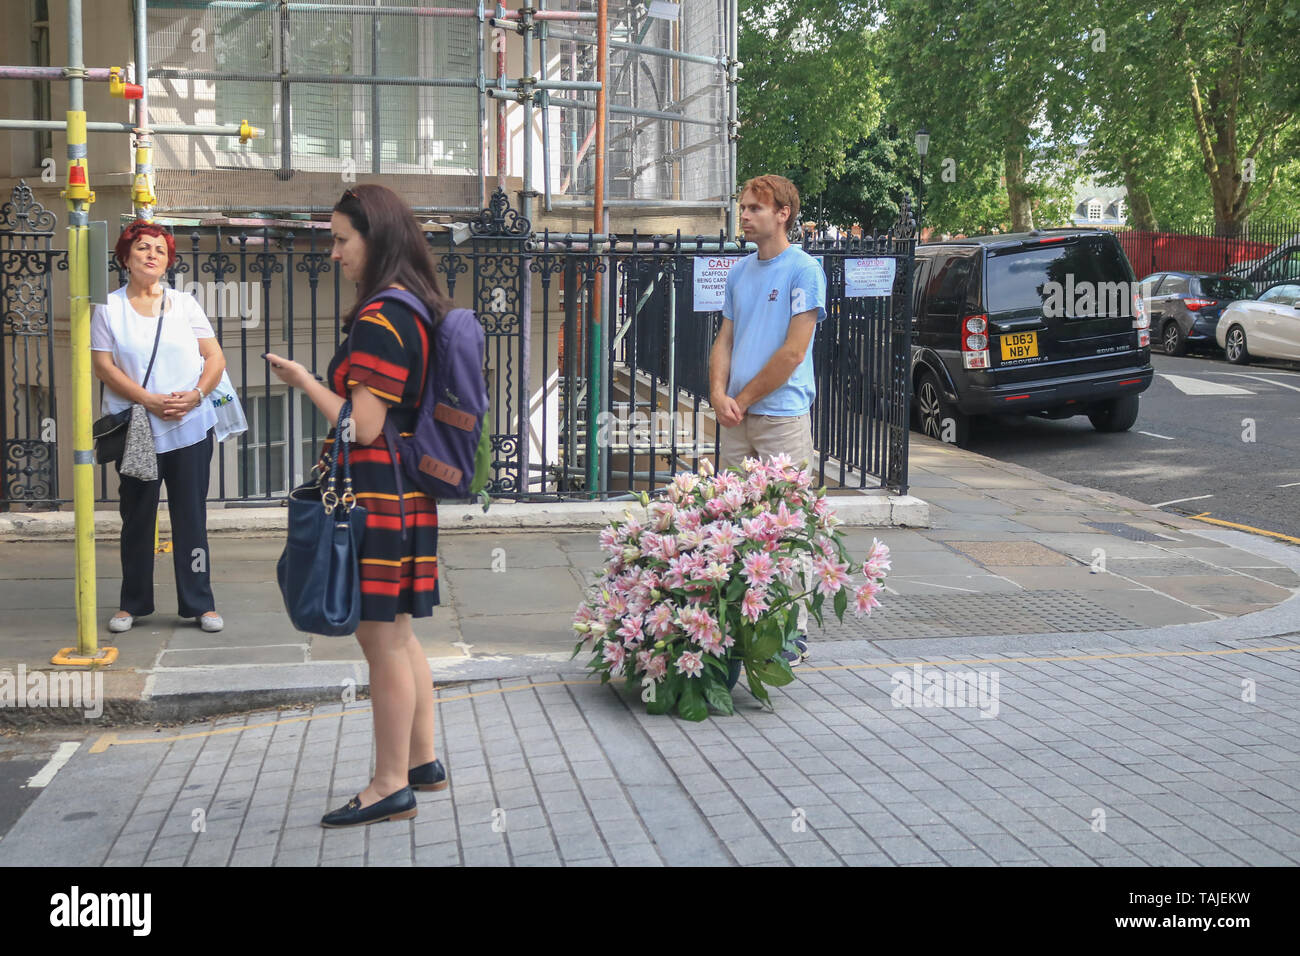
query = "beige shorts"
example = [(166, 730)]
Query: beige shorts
[(762, 436)]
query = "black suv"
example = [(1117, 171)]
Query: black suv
[(1048, 323)]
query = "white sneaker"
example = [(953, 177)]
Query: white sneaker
[(119, 624), (211, 621)]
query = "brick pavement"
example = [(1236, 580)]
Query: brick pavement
[(1178, 754)]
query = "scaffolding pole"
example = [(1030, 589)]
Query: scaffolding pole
[(733, 115), (79, 199), (596, 350), (243, 132), (253, 6), (142, 196)]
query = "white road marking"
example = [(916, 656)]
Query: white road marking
[(61, 756), (946, 587), (1196, 386), (1154, 435), (1177, 500), (1290, 484), (1260, 378)]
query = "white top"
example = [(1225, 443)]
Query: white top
[(120, 329)]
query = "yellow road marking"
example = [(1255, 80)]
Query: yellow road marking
[(1204, 516), (113, 740)]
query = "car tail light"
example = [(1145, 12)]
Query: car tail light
[(1144, 338), (1140, 318), (1195, 305), (974, 343)]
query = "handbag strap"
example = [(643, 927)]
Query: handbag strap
[(156, 336), (332, 498)]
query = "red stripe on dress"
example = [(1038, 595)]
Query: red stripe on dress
[(374, 363)]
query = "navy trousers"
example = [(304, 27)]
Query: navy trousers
[(186, 472)]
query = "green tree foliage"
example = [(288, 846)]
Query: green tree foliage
[(808, 90)]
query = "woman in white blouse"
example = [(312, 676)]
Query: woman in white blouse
[(189, 364)]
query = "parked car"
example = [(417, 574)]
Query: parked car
[(1000, 326), (1280, 265), (1267, 327), (1184, 307)]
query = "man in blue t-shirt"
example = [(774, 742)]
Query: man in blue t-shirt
[(761, 381)]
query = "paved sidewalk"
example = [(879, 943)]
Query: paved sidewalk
[(1107, 752), (1009, 552)]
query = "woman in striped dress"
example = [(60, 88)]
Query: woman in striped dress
[(381, 366)]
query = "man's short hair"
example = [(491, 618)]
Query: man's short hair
[(776, 190)]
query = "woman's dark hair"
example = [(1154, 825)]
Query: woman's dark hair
[(396, 252), (132, 233)]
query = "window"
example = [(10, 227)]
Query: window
[(1094, 210), (1285, 267), (1150, 282), (1119, 209), (262, 465), (418, 129), (947, 290), (1174, 285), (267, 445), (1282, 295)]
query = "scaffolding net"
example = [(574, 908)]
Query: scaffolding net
[(223, 64), (667, 132), (347, 94)]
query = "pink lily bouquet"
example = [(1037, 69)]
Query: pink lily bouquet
[(712, 579)]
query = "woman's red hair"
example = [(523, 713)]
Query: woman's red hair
[(142, 228)]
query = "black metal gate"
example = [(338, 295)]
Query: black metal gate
[(592, 426), (28, 431)]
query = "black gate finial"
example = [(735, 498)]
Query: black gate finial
[(499, 220), (23, 214)]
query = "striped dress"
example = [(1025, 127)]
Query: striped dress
[(389, 353)]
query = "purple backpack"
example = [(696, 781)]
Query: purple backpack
[(438, 458)]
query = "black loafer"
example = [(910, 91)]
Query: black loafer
[(396, 806), (428, 776)]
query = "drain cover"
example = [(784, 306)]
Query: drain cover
[(968, 615), (1119, 529), (1025, 554)]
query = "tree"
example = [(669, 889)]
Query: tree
[(987, 80), (878, 172), (808, 90), (1190, 94)]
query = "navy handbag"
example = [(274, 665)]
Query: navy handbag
[(320, 569)]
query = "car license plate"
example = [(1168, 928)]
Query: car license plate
[(1019, 345)]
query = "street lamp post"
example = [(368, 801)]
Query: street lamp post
[(922, 147)]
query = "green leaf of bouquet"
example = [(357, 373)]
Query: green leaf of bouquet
[(717, 663), (736, 589), (774, 671), (691, 705), (665, 697), (756, 685), (719, 698), (766, 642), (841, 602)]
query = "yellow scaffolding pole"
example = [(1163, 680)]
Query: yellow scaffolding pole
[(79, 198)]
